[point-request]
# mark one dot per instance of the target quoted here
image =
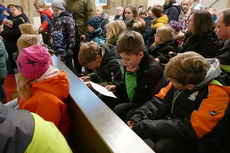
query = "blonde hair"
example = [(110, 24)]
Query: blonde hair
[(27, 40), (28, 28), (187, 68), (182, 13), (165, 32), (88, 52), (24, 85), (115, 28), (39, 3)]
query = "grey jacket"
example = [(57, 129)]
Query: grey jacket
[(3, 58)]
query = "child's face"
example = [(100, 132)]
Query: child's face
[(90, 28), (132, 61), (57, 12), (128, 14), (153, 15), (185, 5), (39, 9), (94, 64), (142, 16), (157, 39)]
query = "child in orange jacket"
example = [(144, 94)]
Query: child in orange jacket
[(43, 89)]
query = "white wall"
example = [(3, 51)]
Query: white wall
[(154, 2), (219, 5)]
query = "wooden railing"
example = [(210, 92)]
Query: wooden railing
[(95, 128)]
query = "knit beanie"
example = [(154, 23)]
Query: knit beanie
[(33, 61), (95, 22), (58, 4)]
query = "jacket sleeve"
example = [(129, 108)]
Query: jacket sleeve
[(45, 21), (46, 106), (193, 126), (153, 109), (70, 26)]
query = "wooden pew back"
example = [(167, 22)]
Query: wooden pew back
[(95, 128)]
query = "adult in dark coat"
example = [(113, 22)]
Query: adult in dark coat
[(201, 37), (171, 9), (11, 33), (223, 31)]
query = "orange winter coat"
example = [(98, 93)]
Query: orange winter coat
[(49, 101)]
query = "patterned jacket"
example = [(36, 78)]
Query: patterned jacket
[(65, 23)]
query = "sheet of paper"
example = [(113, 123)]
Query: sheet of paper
[(102, 90)]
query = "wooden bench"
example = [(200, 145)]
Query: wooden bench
[(95, 128)]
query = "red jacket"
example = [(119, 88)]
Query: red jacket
[(49, 101)]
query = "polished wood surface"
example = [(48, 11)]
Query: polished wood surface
[(95, 128)]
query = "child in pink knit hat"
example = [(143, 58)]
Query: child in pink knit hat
[(42, 88)]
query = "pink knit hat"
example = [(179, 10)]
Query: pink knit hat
[(33, 61)]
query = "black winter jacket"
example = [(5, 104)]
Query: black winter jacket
[(207, 45), (110, 69), (150, 79), (161, 51)]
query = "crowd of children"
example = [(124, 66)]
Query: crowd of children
[(168, 70)]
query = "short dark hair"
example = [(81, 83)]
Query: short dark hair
[(130, 42), (18, 7), (157, 10), (226, 16)]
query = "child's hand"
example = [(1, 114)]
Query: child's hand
[(130, 123), (40, 29), (111, 88), (85, 78), (6, 13), (157, 59), (89, 85)]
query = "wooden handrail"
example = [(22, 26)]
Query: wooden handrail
[(95, 128)]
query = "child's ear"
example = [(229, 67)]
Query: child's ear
[(141, 54), (98, 57), (190, 86)]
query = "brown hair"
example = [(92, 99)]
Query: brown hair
[(226, 16), (202, 22), (130, 42), (157, 10), (138, 22), (39, 3), (88, 52), (27, 40), (115, 28), (187, 68), (28, 28), (165, 32)]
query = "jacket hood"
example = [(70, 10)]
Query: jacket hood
[(213, 72), (57, 85), (47, 12)]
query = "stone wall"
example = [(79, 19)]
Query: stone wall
[(113, 4)]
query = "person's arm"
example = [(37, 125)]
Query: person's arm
[(70, 26), (193, 126)]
